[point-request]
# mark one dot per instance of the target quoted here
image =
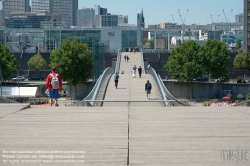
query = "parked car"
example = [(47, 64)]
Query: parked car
[(200, 79), (20, 78), (35, 78), (242, 81), (221, 80)]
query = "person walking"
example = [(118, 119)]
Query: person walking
[(54, 86), (116, 78), (127, 58), (134, 71), (148, 88), (148, 67), (139, 71)]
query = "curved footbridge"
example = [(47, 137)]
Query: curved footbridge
[(130, 91)]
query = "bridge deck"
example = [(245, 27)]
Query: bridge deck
[(152, 136)]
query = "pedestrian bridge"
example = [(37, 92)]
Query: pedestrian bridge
[(130, 91)]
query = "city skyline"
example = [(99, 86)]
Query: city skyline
[(207, 7), (199, 11)]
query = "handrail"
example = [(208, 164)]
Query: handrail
[(169, 96), (93, 95), (118, 61), (156, 78), (143, 67), (243, 102)]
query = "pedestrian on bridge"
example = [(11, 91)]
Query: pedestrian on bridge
[(116, 78), (139, 71), (134, 71), (148, 88)]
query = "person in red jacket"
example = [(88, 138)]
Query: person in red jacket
[(54, 86)]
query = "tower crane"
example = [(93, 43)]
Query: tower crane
[(183, 23)]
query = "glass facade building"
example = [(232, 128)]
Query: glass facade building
[(129, 38)]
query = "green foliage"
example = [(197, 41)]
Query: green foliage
[(237, 101), (215, 58), (240, 96), (72, 61), (242, 61), (8, 62), (214, 100), (152, 45), (206, 103), (145, 40), (238, 44), (37, 62), (184, 62), (178, 42), (166, 43), (248, 96)]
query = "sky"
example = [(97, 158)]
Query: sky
[(160, 11)]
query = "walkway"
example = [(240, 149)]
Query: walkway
[(129, 88), (121, 136)]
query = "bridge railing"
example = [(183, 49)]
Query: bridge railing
[(118, 61), (142, 61), (157, 80), (93, 95)]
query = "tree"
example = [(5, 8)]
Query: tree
[(166, 43), (184, 61), (145, 40), (7, 62), (238, 44), (178, 42), (152, 44), (215, 58), (73, 61), (37, 62), (242, 61)]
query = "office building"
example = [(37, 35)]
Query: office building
[(41, 5), (28, 20), (100, 11), (106, 20), (68, 10), (16, 6), (86, 17), (239, 18), (246, 43)]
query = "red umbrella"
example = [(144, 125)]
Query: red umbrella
[(226, 97)]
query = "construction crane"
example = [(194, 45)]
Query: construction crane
[(227, 23), (183, 23)]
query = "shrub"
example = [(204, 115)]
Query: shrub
[(206, 103), (240, 96), (248, 96), (214, 100)]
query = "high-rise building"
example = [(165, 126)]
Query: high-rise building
[(16, 6), (246, 40), (239, 18), (86, 17), (100, 11), (41, 5), (68, 10)]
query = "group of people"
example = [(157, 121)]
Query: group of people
[(148, 85), (126, 58), (134, 71)]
